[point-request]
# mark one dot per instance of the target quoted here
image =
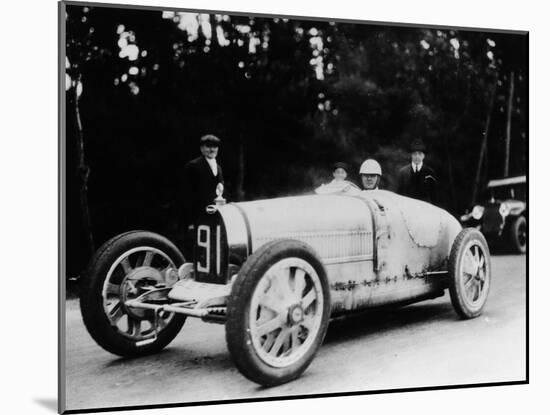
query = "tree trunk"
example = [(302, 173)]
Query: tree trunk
[(240, 172), (83, 172), (450, 167), (509, 126), (483, 149)]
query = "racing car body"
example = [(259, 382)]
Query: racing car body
[(274, 271)]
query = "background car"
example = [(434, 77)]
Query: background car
[(502, 216)]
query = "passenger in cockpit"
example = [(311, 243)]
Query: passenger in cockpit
[(339, 184)]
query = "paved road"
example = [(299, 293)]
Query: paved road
[(419, 345)]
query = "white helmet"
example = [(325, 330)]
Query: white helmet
[(370, 166)]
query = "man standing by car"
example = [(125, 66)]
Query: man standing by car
[(416, 179), (370, 173), (202, 183)]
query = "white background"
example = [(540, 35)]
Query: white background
[(28, 158)]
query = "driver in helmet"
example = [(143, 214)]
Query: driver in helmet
[(370, 173)]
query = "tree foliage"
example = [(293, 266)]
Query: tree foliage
[(287, 97)]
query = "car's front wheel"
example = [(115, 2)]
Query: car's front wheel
[(278, 312), (469, 272), (125, 267)]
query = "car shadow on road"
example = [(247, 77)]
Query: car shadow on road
[(179, 356), (174, 357), (387, 319)]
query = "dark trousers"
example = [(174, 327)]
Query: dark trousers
[(189, 236)]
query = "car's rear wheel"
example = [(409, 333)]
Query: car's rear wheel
[(122, 269), (470, 273), (278, 312), (518, 235)]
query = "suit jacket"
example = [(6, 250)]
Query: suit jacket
[(199, 188), (418, 185)]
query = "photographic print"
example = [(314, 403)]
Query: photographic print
[(265, 207)]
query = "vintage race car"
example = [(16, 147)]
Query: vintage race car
[(275, 271)]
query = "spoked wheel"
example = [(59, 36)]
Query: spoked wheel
[(278, 312), (124, 268), (470, 273)]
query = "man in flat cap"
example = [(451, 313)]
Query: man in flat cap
[(416, 179), (202, 183)]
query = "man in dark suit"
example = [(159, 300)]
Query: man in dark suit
[(202, 183), (416, 179)]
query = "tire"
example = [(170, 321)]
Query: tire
[(284, 285), (470, 273), (126, 261), (518, 235)]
